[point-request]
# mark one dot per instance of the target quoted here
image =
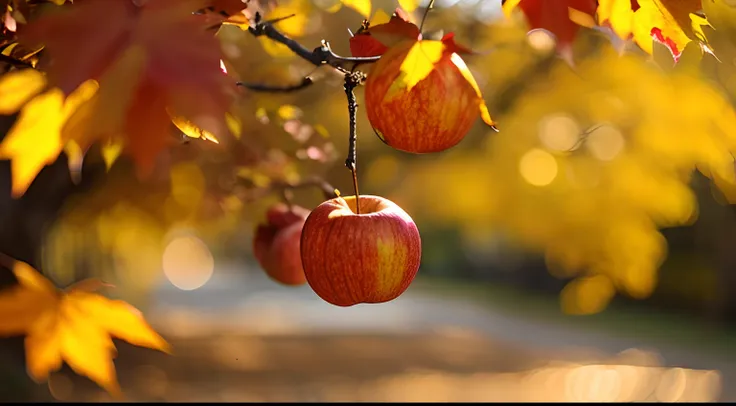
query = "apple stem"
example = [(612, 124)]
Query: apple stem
[(352, 80), (430, 6)]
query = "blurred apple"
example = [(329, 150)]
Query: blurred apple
[(350, 258), (276, 244)]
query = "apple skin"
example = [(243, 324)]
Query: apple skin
[(368, 258), (276, 244), (433, 116)]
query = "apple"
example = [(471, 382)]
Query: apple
[(350, 258), (433, 116), (435, 113), (276, 244)]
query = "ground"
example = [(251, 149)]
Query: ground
[(245, 338)]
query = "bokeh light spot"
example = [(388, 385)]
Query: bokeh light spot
[(188, 263), (559, 132), (538, 167), (541, 40), (605, 143)]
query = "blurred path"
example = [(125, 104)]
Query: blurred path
[(242, 337)]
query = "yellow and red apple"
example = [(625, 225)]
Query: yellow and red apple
[(351, 258), (276, 244), (420, 97)]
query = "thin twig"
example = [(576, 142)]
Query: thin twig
[(259, 87), (430, 6), (15, 62), (352, 80), (322, 55)]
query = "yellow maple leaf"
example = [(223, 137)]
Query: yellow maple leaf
[(111, 151), (361, 6), (485, 115), (34, 142), (75, 326), (191, 130), (35, 139), (17, 87), (675, 19), (417, 65), (409, 5), (293, 16), (380, 17), (619, 15)]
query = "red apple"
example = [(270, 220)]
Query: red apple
[(433, 116), (276, 244), (436, 112), (350, 258)]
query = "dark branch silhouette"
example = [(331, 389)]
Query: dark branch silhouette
[(322, 55), (260, 87)]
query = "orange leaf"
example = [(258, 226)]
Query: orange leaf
[(75, 327)]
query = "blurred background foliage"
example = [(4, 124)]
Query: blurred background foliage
[(590, 191)]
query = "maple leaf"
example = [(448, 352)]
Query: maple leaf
[(374, 40), (417, 65), (361, 6), (673, 23), (562, 18), (35, 140), (17, 87), (224, 12), (150, 59), (75, 326)]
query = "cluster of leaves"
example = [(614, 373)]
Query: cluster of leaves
[(672, 23), (81, 85), (595, 158)]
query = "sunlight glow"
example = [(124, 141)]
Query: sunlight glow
[(188, 263)]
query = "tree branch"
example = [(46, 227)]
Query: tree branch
[(15, 62), (322, 55), (259, 87)]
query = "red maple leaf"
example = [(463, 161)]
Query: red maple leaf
[(180, 72), (554, 16), (375, 40)]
